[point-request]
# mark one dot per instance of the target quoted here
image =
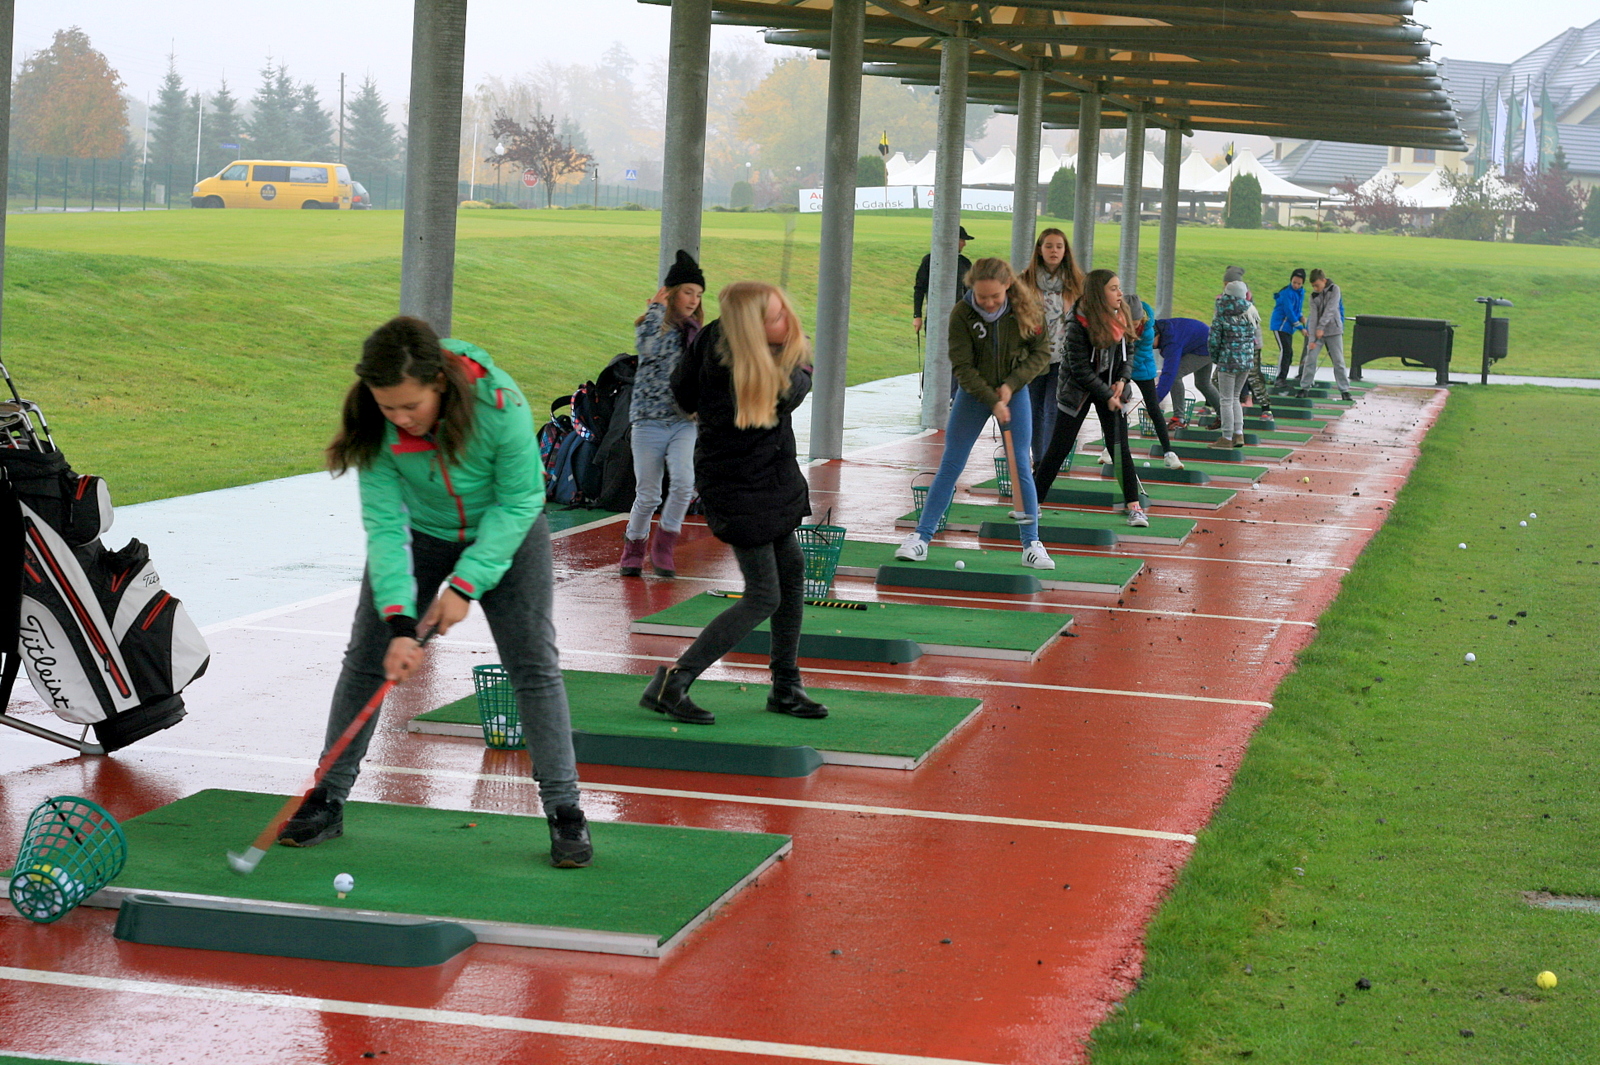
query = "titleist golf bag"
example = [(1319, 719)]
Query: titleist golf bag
[(104, 645)]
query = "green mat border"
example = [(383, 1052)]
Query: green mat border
[(551, 937), (1081, 492), (1004, 529), (1049, 580), (856, 648)]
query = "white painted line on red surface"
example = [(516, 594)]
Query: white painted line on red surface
[(530, 1025), (962, 816), (1165, 696)]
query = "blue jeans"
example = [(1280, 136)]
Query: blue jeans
[(519, 612), (659, 445), (968, 416), (1042, 405)]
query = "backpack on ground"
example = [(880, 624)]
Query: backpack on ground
[(552, 434), (104, 644)]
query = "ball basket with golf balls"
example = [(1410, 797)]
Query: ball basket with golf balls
[(71, 848)]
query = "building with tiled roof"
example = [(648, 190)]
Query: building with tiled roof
[(1566, 67)]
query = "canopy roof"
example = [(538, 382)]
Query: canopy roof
[(1349, 70)]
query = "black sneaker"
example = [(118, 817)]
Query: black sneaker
[(1302, 394), (1346, 397), (795, 702), (319, 818), (569, 838)]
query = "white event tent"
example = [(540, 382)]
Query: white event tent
[(1273, 187)]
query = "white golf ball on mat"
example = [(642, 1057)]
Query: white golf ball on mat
[(344, 883), (960, 564)]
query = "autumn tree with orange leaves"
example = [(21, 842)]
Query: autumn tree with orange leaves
[(67, 100)]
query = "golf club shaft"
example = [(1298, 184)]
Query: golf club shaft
[(1011, 466), (839, 604), (269, 834)]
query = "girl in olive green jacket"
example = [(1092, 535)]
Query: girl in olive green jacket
[(997, 345)]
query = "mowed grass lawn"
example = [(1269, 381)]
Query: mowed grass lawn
[(1398, 803), (188, 350)]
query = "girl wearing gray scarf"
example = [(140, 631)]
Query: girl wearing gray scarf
[(1055, 276)]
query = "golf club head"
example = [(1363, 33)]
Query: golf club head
[(245, 864)]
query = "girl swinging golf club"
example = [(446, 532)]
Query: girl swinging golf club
[(443, 444)]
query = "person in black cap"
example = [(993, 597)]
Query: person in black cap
[(919, 292), (663, 437)]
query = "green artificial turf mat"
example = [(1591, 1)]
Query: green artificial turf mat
[(1200, 452), (1154, 469), (563, 518), (650, 881), (876, 723), (969, 516), (1009, 633), (1073, 572), (1078, 492)]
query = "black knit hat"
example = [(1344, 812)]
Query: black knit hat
[(684, 272), (1299, 272)]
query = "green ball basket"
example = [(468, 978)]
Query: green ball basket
[(820, 544), (71, 848), (497, 708), (919, 499)]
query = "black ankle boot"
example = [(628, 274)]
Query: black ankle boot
[(792, 699), (668, 693)]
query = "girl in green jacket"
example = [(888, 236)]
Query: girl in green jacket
[(452, 494)]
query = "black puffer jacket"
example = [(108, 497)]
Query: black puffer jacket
[(1089, 371), (748, 479)]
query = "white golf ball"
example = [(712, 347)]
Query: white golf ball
[(1523, 524), (1462, 546), (1471, 657), (1533, 515), (960, 564), (344, 882)]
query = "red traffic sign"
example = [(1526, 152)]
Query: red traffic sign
[(530, 177)]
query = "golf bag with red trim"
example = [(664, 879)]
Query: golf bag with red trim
[(104, 644)]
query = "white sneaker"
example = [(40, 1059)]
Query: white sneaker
[(1034, 557), (1105, 456), (913, 549), (1137, 518), (1171, 461)]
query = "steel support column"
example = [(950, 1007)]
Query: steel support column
[(1030, 101), (1132, 198), (838, 228), (433, 160), (8, 12), (1167, 243), (683, 165), (1088, 178), (956, 52)]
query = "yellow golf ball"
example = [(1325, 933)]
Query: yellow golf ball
[(1546, 979)]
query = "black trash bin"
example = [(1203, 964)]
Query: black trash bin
[(1414, 341)]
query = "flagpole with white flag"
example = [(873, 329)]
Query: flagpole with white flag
[(1499, 158), (1530, 139)]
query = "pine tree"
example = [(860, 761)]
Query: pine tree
[(172, 121), (1061, 201), (272, 129), (68, 101), (371, 148), (222, 127), (315, 126), (1244, 203)]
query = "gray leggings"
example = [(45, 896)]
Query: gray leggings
[(774, 587), (518, 611), (1200, 366)]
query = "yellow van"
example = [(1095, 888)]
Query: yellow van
[(276, 183)]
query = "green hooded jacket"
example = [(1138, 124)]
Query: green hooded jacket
[(488, 498)]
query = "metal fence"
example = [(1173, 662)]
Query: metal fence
[(49, 183)]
